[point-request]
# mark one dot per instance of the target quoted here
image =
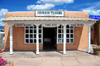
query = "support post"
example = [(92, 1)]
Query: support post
[(89, 38), (37, 39), (11, 39), (64, 38)]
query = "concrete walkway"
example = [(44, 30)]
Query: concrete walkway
[(53, 58)]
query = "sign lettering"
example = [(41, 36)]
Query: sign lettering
[(49, 13)]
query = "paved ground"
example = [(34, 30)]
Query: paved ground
[(53, 58), (29, 54)]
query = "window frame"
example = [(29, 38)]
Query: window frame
[(33, 34), (66, 34)]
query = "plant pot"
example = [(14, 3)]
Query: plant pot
[(96, 51)]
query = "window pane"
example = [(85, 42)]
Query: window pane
[(39, 35), (31, 35), (39, 30), (59, 35), (34, 40), (67, 26), (31, 40), (40, 26), (67, 40), (34, 26), (27, 27), (34, 35), (27, 31), (27, 36), (34, 30), (71, 26), (71, 40), (39, 40), (31, 27), (59, 31), (59, 40), (31, 30), (59, 26), (27, 40), (67, 36), (71, 30), (71, 35), (67, 31)]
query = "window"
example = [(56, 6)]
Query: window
[(60, 34), (69, 34), (30, 34)]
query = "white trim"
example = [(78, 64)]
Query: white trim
[(64, 39), (11, 39), (37, 39)]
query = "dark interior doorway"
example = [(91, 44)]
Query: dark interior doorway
[(49, 38)]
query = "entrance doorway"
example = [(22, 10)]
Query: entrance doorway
[(49, 38)]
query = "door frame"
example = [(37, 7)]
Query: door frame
[(55, 35)]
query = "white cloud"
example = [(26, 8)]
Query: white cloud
[(2, 12), (38, 2), (35, 7), (92, 12), (47, 4), (2, 15), (93, 9), (57, 2)]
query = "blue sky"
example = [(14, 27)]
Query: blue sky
[(91, 6)]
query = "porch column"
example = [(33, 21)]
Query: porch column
[(64, 38), (37, 39), (89, 38), (11, 39)]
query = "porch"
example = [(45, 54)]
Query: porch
[(64, 21)]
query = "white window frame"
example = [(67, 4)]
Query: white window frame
[(66, 35), (59, 34), (70, 35), (33, 34)]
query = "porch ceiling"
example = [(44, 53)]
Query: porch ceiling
[(31, 18)]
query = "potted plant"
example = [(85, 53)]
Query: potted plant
[(96, 50)]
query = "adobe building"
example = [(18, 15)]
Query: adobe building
[(47, 30)]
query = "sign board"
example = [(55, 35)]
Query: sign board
[(50, 25), (79, 25), (49, 13), (22, 25), (95, 17)]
